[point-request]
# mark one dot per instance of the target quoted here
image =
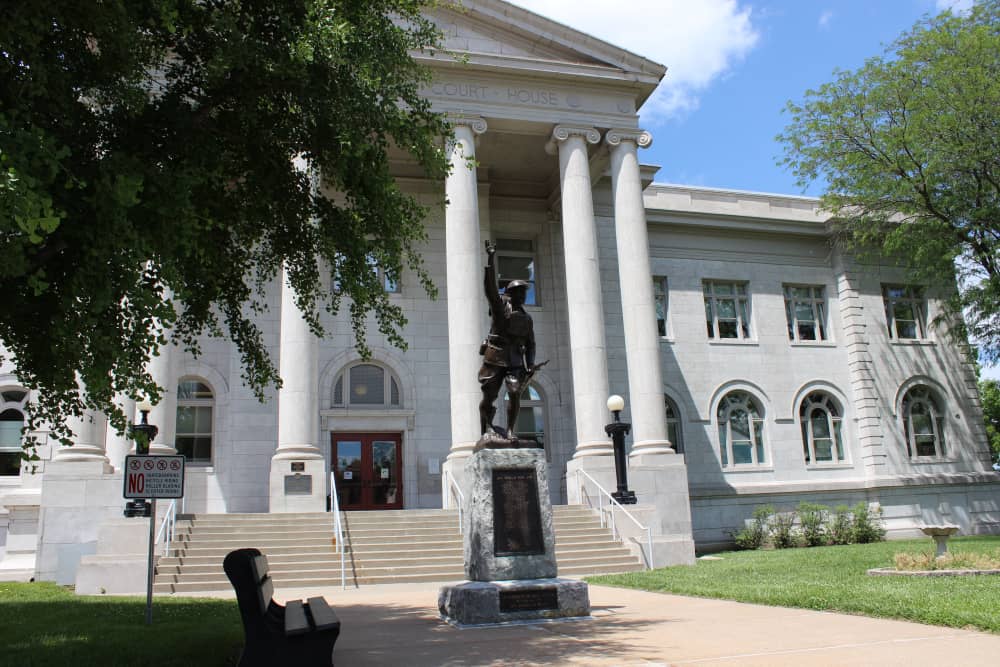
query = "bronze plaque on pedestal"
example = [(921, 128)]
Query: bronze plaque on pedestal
[(529, 599), (298, 485), (517, 515)]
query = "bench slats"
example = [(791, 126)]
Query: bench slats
[(265, 591), (323, 616), (296, 622)]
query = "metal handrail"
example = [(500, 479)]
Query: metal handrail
[(338, 528), (457, 494), (614, 503), (167, 526)]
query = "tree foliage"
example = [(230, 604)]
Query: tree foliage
[(909, 148), (989, 391), (147, 181)]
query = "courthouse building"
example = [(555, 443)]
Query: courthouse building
[(759, 364)]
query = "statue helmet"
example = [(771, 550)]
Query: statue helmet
[(515, 284)]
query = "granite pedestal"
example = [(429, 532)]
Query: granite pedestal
[(510, 547)]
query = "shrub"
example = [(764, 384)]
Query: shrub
[(840, 525), (755, 533), (782, 535), (867, 524), (812, 519)]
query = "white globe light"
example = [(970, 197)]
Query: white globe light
[(144, 406), (616, 403)]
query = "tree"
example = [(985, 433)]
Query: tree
[(989, 391), (909, 148), (147, 181)]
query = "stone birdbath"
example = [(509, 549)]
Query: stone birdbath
[(940, 535)]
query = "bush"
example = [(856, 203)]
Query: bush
[(949, 561), (754, 535), (867, 524), (840, 525), (812, 519), (782, 535)]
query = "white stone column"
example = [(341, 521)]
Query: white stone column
[(87, 451), (465, 298), (588, 350), (642, 340), (297, 457), (118, 446), (163, 415)]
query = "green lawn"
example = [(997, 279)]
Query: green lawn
[(45, 624), (833, 578)]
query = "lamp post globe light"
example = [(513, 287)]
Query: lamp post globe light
[(618, 430), (143, 434)]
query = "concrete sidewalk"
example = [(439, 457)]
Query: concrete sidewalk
[(399, 625)]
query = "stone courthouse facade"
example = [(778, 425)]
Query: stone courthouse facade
[(758, 363)]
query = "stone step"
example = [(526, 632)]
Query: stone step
[(390, 546), (273, 558)]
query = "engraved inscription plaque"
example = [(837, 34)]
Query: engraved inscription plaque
[(298, 485), (531, 599), (517, 515)]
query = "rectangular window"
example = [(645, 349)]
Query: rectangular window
[(516, 261), (727, 310), (660, 302), (905, 311), (805, 312), (388, 284)]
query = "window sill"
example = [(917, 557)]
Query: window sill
[(747, 467), (830, 466), (918, 460), (749, 342), (915, 342), (812, 343)]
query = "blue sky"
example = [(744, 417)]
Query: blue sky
[(732, 67)]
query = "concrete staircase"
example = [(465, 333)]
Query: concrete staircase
[(391, 546)]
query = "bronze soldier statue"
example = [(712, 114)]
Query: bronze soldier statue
[(509, 349)]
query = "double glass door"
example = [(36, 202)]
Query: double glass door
[(368, 470)]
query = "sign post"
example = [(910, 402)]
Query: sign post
[(153, 477)]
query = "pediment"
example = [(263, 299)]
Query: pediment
[(498, 34)]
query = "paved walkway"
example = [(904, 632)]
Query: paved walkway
[(399, 625)]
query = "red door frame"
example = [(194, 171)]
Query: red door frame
[(365, 495)]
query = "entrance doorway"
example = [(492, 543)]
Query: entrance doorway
[(368, 469)]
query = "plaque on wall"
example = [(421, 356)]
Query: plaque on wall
[(529, 599), (517, 514), (298, 485), (298, 466)]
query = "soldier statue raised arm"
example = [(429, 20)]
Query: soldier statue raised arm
[(508, 351)]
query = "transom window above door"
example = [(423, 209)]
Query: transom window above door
[(366, 385)]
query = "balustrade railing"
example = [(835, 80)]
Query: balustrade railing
[(607, 509)]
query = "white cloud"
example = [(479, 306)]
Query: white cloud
[(697, 41), (956, 6), (825, 18)]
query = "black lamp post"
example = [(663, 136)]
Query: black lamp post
[(618, 430), (143, 434)]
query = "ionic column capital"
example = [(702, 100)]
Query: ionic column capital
[(616, 135), (561, 133), (475, 123)]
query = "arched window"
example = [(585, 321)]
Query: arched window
[(923, 423), (820, 417), (531, 417), (195, 405), (366, 385), (11, 426), (674, 432), (741, 430)]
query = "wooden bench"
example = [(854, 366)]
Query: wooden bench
[(299, 633)]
